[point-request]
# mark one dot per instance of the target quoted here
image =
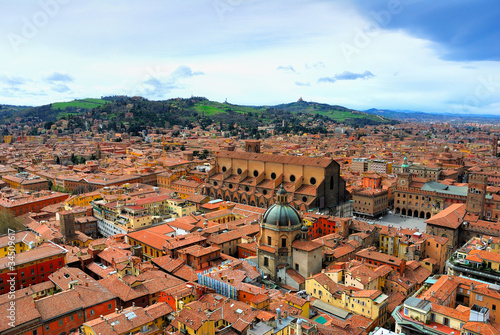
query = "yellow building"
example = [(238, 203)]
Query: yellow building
[(157, 205), (181, 207), (117, 218), (371, 304), (82, 200), (299, 303), (195, 323), (430, 318), (132, 320), (8, 139), (389, 243), (151, 240), (17, 243)]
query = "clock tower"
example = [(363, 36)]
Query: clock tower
[(404, 178)]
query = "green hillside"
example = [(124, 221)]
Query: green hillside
[(83, 104), (134, 114), (335, 113)]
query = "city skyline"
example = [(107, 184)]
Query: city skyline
[(406, 54)]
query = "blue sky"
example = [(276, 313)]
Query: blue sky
[(432, 56)]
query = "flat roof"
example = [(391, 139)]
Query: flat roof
[(338, 312)]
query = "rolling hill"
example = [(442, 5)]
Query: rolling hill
[(134, 113)]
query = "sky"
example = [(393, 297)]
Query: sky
[(422, 55)]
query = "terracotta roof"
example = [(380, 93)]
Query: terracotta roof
[(267, 248), (292, 160), (305, 245), (45, 250), (450, 217), (295, 276)]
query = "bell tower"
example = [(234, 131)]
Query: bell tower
[(252, 146), (404, 178), (476, 194)]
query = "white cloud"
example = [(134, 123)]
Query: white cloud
[(260, 52)]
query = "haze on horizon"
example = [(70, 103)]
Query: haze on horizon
[(389, 54)]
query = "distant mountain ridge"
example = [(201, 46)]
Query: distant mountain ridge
[(408, 115)]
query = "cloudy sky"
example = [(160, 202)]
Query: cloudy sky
[(426, 55)]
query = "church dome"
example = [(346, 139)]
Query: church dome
[(281, 213)]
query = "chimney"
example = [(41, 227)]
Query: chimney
[(299, 327)]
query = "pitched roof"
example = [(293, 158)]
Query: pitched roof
[(450, 217)]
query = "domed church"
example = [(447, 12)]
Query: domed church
[(284, 251)]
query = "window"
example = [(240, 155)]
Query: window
[(494, 307), (479, 297), (406, 311), (312, 181), (283, 242), (269, 240), (296, 267), (35, 332), (273, 176), (446, 322), (92, 312), (32, 271), (292, 178), (47, 327), (266, 261), (110, 306), (61, 322), (71, 318)]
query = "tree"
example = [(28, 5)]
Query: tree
[(58, 160), (73, 158), (9, 222)]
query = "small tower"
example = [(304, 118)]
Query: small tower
[(494, 146), (98, 151), (252, 146), (67, 226), (476, 194)]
